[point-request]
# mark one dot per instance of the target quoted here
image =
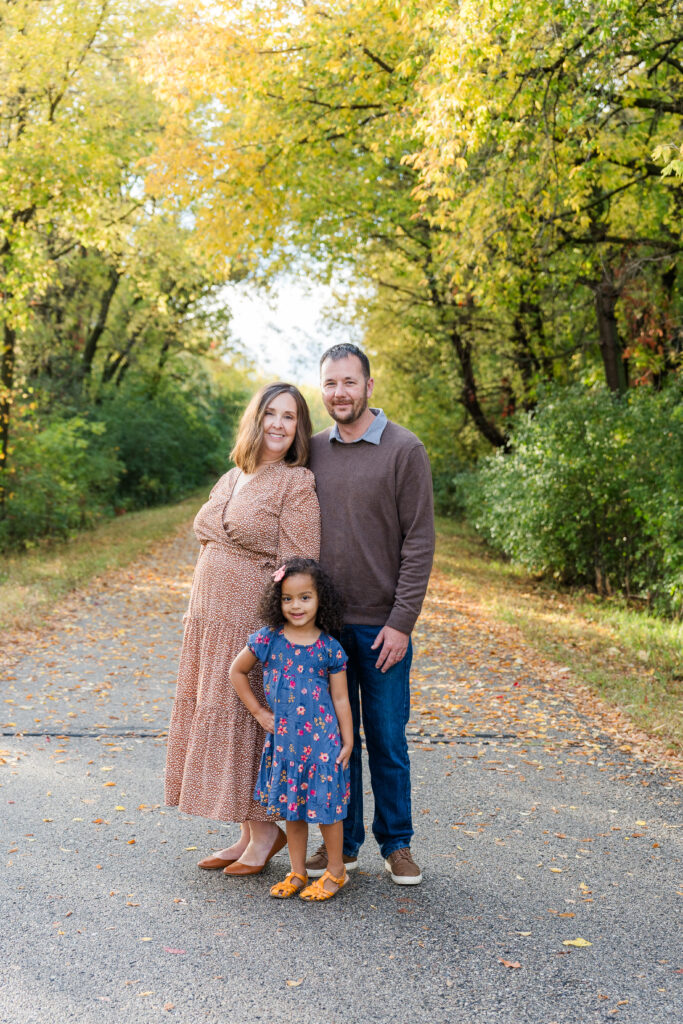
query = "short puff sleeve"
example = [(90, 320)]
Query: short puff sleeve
[(337, 656), (259, 643)]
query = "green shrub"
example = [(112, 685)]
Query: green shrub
[(60, 479), (140, 446), (592, 491), (168, 443), (447, 494)]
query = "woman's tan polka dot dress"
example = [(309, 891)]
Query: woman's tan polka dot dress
[(214, 744)]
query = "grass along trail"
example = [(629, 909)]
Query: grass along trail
[(620, 667)]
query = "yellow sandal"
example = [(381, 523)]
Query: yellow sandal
[(316, 891), (283, 890)]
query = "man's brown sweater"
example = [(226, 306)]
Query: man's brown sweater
[(377, 510)]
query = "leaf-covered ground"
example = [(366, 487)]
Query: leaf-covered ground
[(548, 829), (477, 678)]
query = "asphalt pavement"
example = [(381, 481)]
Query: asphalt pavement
[(551, 857)]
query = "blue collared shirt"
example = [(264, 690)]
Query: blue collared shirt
[(373, 434)]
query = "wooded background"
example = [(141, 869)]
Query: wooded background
[(501, 182)]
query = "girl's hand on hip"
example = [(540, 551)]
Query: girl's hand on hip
[(345, 754), (266, 719)]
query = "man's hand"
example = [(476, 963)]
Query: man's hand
[(394, 646)]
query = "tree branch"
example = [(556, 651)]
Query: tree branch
[(378, 60)]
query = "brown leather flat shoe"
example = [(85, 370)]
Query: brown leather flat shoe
[(255, 869), (214, 863)]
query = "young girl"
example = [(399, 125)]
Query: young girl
[(303, 775)]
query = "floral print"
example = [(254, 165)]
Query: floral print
[(300, 770)]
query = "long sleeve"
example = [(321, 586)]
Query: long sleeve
[(299, 527), (415, 504)]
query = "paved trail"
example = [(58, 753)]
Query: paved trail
[(534, 829)]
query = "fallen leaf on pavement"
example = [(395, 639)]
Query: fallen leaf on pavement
[(577, 942)]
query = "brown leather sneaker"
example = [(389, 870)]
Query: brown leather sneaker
[(402, 867), (316, 865)]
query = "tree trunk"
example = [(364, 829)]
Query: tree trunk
[(161, 363), (6, 382), (122, 370), (470, 398), (113, 369), (611, 349), (96, 333), (533, 310), (463, 351), (672, 334), (524, 357), (526, 360)]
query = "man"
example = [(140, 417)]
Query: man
[(375, 492)]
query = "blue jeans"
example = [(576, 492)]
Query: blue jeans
[(383, 700)]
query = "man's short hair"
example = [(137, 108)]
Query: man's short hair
[(347, 349)]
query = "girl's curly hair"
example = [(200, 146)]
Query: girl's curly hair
[(330, 614)]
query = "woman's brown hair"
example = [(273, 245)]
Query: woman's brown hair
[(250, 432)]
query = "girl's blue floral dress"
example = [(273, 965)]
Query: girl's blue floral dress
[(299, 778)]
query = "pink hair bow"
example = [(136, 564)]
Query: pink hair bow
[(279, 574)]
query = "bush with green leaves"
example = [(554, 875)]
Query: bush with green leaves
[(149, 442), (168, 441), (591, 491), (60, 480)]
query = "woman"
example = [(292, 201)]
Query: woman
[(259, 514)]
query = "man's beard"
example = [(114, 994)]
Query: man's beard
[(349, 415)]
